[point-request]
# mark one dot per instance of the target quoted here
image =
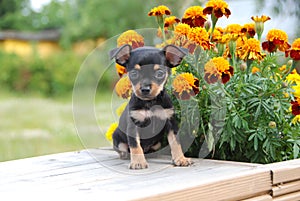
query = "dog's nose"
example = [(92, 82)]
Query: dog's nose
[(145, 90)]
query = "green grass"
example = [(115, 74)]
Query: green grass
[(32, 126)]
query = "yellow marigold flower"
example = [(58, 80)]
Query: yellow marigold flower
[(296, 92), (249, 30), (121, 70), (159, 11), (185, 85), (262, 18), (293, 78), (132, 38), (216, 69), (194, 16), (217, 7), (233, 29), (171, 21), (123, 87), (255, 70), (276, 39), (251, 50), (199, 36), (110, 131), (121, 108), (296, 119)]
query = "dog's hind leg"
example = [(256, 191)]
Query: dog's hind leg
[(120, 144)]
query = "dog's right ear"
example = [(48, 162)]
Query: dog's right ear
[(121, 54)]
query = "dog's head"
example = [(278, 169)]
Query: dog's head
[(148, 68)]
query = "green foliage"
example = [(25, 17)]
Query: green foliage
[(248, 118), (51, 76)]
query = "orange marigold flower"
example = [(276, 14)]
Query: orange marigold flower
[(233, 29), (217, 7), (194, 16), (216, 69), (182, 29), (132, 38), (255, 70), (262, 18), (170, 21), (217, 35), (181, 37), (185, 85), (276, 39), (121, 70), (249, 29), (199, 36), (251, 50), (295, 50), (123, 87), (159, 11)]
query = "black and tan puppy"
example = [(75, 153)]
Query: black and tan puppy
[(149, 114)]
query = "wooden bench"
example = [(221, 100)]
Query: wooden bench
[(98, 174)]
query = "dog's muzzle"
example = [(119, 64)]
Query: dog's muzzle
[(145, 90)]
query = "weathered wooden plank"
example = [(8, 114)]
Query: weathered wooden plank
[(288, 197), (285, 188), (100, 173), (266, 197), (285, 171)]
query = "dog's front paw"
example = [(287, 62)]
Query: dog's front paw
[(138, 162), (182, 161)]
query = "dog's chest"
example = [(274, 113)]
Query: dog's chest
[(156, 111)]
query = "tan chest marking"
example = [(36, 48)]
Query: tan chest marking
[(162, 114)]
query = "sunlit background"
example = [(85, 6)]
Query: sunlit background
[(44, 42)]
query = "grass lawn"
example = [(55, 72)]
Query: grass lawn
[(32, 126)]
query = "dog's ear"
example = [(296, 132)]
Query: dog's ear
[(121, 54), (174, 55)]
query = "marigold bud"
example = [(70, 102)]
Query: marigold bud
[(290, 62), (284, 85), (272, 124), (243, 66)]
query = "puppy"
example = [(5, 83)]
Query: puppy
[(149, 114)]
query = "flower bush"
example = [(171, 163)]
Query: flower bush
[(247, 91)]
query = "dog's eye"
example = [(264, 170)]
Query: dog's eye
[(159, 74), (134, 74)]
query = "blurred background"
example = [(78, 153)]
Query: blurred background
[(44, 42)]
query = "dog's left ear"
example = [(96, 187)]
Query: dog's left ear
[(121, 54), (174, 55)]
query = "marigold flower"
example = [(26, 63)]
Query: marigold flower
[(123, 87), (199, 36), (262, 18), (249, 30), (259, 24), (251, 50), (295, 50), (296, 107), (296, 119), (121, 108), (233, 29), (171, 21), (194, 16), (121, 70), (182, 29), (276, 39), (255, 70), (216, 69), (132, 38), (185, 85), (110, 131), (217, 35), (159, 11), (217, 7), (293, 78)]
